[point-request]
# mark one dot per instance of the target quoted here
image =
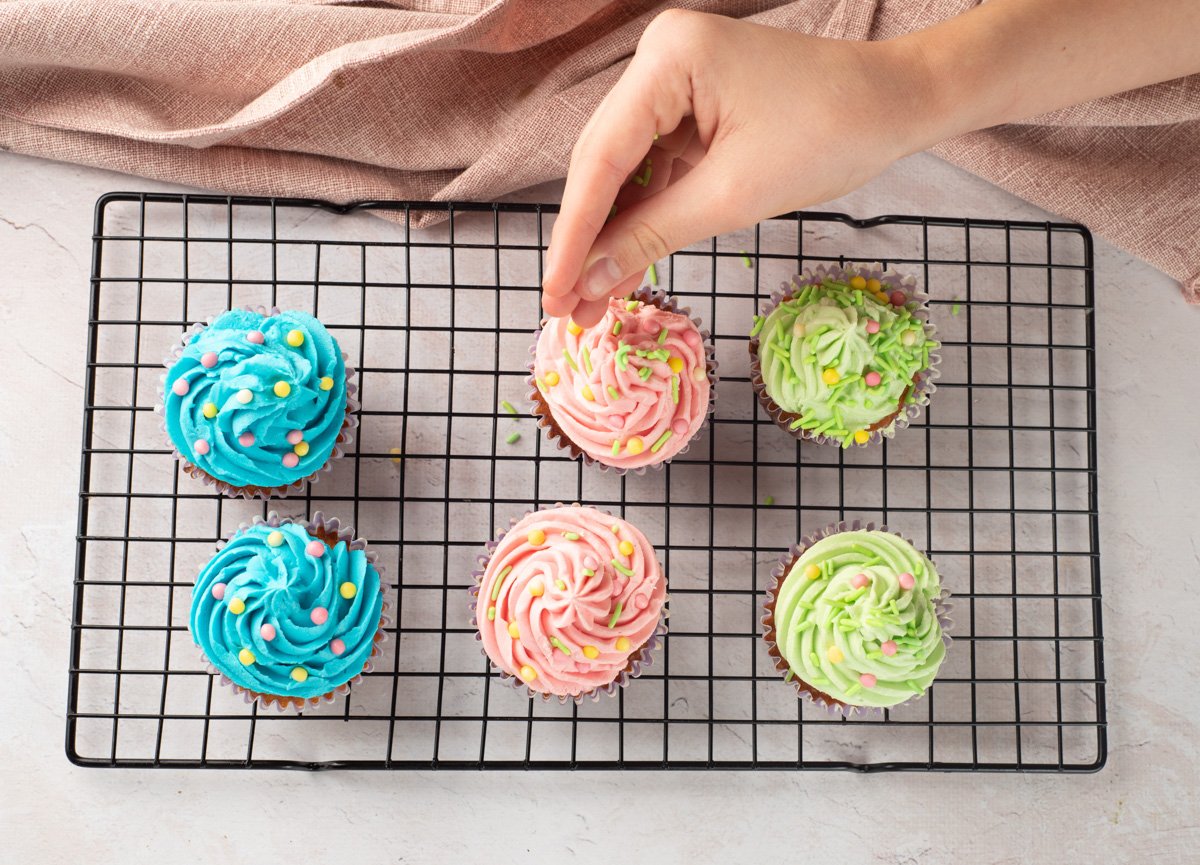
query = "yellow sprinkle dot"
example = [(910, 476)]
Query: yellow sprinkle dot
[(862, 436), (528, 673), (573, 327), (591, 652), (299, 674), (676, 364), (587, 394), (622, 644), (275, 539), (635, 446), (347, 590), (909, 337), (395, 459), (835, 655), (295, 338), (536, 538), (536, 589), (858, 282), (873, 285), (882, 298), (616, 528), (551, 378), (830, 376), (210, 410), (244, 396), (246, 657), (282, 388), (326, 383), (301, 449), (812, 572), (514, 631), (237, 606), (626, 548)]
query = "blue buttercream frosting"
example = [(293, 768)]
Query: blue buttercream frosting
[(279, 587), (313, 374)]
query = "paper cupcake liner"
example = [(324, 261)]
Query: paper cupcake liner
[(638, 660), (942, 608), (341, 444), (555, 435), (331, 531), (924, 385)]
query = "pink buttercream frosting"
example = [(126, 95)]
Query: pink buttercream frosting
[(574, 631), (593, 383)]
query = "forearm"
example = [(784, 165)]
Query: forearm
[(1008, 60)]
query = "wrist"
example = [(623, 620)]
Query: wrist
[(913, 93)]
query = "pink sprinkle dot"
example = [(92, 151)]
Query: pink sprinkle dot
[(859, 580), (898, 298), (617, 421), (691, 337), (295, 437), (290, 460), (337, 646), (246, 439), (256, 337), (872, 379), (319, 615), (867, 680), (200, 446), (316, 549), (906, 581), (590, 563), (872, 326), (267, 632), (208, 360), (888, 647), (218, 591), (180, 387), (679, 426)]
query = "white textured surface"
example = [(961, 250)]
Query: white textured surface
[(1140, 808)]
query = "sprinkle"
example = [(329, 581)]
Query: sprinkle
[(859, 580), (955, 309), (558, 644), (624, 570), (616, 448), (514, 631), (208, 360), (853, 689), (200, 446), (326, 383), (662, 440), (872, 326), (275, 539), (294, 437), (315, 548), (537, 589), (551, 378), (897, 298), (699, 374), (616, 328), (500, 578), (319, 615), (622, 644), (237, 606), (759, 321), (507, 406), (616, 528), (267, 631), (635, 446), (301, 449), (622, 355), (613, 392), (873, 284), (246, 657), (256, 337), (209, 410), (631, 305), (645, 373), (588, 572), (858, 282), (787, 677), (290, 461), (536, 538), (282, 389), (812, 572), (908, 338), (906, 581), (591, 652), (395, 454), (295, 338), (246, 439), (653, 275), (491, 614), (676, 364), (872, 379), (587, 393), (347, 590), (513, 438), (830, 376), (769, 500), (244, 396), (835, 655), (626, 548), (867, 680), (528, 673), (746, 259), (573, 328), (675, 389), (888, 647), (571, 536), (560, 585), (570, 360), (218, 591), (612, 622)]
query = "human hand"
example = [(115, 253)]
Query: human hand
[(751, 122)]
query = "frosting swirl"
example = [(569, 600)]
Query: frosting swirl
[(567, 597), (257, 401), (855, 618), (842, 353), (629, 392), (278, 620)]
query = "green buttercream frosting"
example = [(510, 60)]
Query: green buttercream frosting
[(813, 616), (817, 355)]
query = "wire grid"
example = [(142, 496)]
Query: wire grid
[(996, 480)]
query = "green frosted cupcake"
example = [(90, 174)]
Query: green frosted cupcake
[(856, 619), (843, 355)]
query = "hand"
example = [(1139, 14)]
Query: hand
[(751, 122)]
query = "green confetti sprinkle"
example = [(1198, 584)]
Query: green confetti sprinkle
[(612, 623), (613, 392), (503, 575), (675, 389), (662, 336), (645, 373), (491, 614), (955, 308), (570, 360), (769, 500), (622, 355), (588, 572), (662, 440), (746, 259), (616, 328), (571, 536), (631, 305), (616, 448), (587, 359), (759, 321), (507, 406), (558, 644), (513, 438), (620, 567)]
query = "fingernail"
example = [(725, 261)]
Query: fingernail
[(601, 278)]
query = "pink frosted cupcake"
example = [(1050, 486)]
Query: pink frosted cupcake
[(630, 392), (570, 602)]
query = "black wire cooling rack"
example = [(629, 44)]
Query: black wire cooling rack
[(997, 481)]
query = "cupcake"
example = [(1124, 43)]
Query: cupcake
[(569, 602), (855, 619), (289, 613), (256, 403), (843, 356), (632, 391)]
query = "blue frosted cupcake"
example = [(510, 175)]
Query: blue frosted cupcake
[(290, 613), (257, 403)]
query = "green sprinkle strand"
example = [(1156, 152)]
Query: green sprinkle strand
[(558, 644), (662, 336), (622, 355), (507, 406), (541, 385), (570, 360), (616, 449), (560, 585), (662, 440), (588, 572), (769, 500), (613, 392), (571, 536), (587, 359), (513, 438), (746, 259), (645, 373), (631, 305), (620, 567), (787, 677), (491, 614), (612, 623), (675, 389), (653, 275), (759, 321), (500, 582), (616, 328)]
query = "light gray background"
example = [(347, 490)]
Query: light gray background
[(1140, 808)]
